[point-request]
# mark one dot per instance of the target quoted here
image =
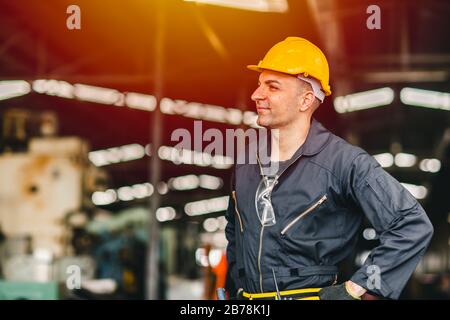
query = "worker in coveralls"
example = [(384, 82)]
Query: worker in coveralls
[(294, 218)]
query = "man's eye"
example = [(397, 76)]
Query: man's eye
[(273, 88)]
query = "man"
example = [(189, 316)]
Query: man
[(288, 230)]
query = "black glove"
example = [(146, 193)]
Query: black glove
[(338, 292)]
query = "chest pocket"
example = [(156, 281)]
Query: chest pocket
[(315, 221)]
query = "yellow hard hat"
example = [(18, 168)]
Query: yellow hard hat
[(297, 56)]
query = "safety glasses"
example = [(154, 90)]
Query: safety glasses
[(263, 201)]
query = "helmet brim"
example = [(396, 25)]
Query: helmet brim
[(254, 67)]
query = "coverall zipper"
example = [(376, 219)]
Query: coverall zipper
[(304, 213), (237, 210), (262, 229)]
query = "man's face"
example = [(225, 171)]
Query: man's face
[(277, 99)]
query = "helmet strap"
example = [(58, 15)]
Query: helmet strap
[(318, 93)]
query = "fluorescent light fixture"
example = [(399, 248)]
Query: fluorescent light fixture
[(133, 100), (201, 111), (96, 94), (385, 160), (13, 88), (102, 198), (425, 98), (364, 100), (419, 192), (222, 222), (206, 206), (430, 165), (188, 182), (140, 101), (210, 182), (253, 5), (211, 225), (165, 214), (193, 157), (113, 155), (125, 193), (191, 181), (56, 88), (200, 257), (143, 190), (132, 152), (162, 188), (404, 160)]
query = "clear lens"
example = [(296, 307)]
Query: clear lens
[(263, 202)]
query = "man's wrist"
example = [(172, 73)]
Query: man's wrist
[(355, 290)]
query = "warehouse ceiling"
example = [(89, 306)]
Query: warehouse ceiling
[(204, 51)]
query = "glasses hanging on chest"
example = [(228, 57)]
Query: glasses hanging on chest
[(263, 201)]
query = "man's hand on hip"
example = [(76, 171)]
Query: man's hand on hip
[(346, 291)]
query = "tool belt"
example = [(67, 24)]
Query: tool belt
[(295, 294)]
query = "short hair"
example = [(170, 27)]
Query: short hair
[(305, 86)]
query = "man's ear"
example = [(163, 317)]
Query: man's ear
[(307, 101)]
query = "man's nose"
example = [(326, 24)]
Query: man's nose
[(258, 94)]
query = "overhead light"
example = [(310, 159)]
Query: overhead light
[(132, 152), (126, 193), (210, 182), (201, 258), (165, 214), (103, 198), (211, 225), (193, 157), (140, 101), (425, 98), (253, 5), (385, 160), (191, 182), (419, 192), (162, 188), (52, 87), (113, 155), (206, 206), (364, 100), (214, 257), (188, 182), (430, 165), (405, 160), (222, 222), (134, 100), (13, 88), (143, 190), (96, 94), (201, 111)]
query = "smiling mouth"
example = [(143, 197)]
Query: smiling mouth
[(261, 109)]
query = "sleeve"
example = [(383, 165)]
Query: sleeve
[(402, 224), (231, 247)]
